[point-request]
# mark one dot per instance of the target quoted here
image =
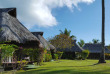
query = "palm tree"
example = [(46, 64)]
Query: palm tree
[(102, 56), (95, 41), (81, 43), (67, 32)]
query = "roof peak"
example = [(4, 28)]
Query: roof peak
[(38, 33), (10, 11)]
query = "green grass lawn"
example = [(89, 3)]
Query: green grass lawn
[(70, 67)]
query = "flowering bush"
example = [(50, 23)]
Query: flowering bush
[(48, 57)]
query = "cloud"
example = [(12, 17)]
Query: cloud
[(39, 12)]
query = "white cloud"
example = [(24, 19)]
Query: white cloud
[(38, 12)]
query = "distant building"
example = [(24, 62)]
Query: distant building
[(95, 50), (70, 52)]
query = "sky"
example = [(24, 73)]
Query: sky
[(82, 17)]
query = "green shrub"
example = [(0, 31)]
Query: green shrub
[(107, 56), (78, 55), (85, 54), (48, 57), (36, 55), (68, 55), (52, 53), (21, 64), (82, 55), (59, 54), (39, 56), (56, 56), (29, 52)]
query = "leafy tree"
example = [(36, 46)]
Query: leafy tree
[(95, 41), (102, 56), (61, 41), (7, 50), (81, 43)]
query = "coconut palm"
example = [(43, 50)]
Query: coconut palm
[(95, 41), (102, 56), (81, 43), (67, 32)]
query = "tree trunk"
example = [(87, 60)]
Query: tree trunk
[(102, 56)]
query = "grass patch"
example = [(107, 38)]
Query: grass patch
[(70, 67)]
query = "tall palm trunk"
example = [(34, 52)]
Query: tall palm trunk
[(102, 56)]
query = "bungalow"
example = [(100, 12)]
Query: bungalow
[(70, 52), (95, 50), (13, 32)]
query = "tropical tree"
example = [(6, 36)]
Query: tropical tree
[(81, 43), (95, 41), (73, 37), (61, 41), (102, 56), (67, 32)]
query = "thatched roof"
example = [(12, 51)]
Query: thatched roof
[(95, 48), (11, 29), (44, 42), (74, 48)]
